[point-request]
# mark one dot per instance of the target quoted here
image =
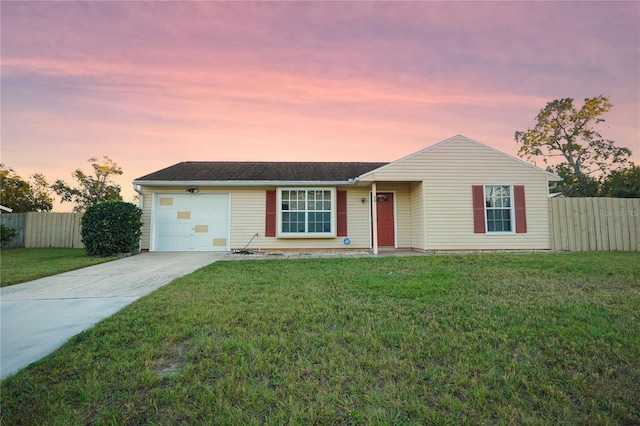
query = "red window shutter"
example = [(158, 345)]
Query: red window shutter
[(478, 209), (341, 208), (271, 212), (521, 211)]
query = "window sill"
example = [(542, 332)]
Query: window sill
[(305, 236)]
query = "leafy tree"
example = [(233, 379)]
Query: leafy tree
[(571, 186), (562, 131), (623, 183), (91, 189), (24, 196)]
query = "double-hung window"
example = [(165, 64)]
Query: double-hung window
[(306, 212), (499, 208)]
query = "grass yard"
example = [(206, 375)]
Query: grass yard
[(532, 339), (24, 264)]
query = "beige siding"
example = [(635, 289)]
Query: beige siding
[(247, 217), (452, 155), (403, 217), (452, 169), (146, 219), (450, 218), (448, 170), (417, 216), (358, 221)]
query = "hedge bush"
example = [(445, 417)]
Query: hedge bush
[(112, 227), (7, 235)]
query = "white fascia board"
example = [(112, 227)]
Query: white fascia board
[(203, 183)]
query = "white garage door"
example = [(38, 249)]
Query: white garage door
[(192, 222)]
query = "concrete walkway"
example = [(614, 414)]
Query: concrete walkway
[(38, 317)]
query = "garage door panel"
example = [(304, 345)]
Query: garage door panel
[(203, 243), (202, 216), (182, 244), (166, 215), (164, 244), (183, 229), (187, 222), (166, 231)]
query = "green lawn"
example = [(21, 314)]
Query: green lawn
[(476, 339), (24, 264)]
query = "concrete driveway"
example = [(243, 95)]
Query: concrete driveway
[(37, 317)]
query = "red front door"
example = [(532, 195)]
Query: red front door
[(386, 227)]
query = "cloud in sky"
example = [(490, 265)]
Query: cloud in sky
[(151, 84)]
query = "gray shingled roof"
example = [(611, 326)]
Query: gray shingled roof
[(260, 171)]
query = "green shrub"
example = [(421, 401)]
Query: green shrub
[(111, 227), (7, 235)]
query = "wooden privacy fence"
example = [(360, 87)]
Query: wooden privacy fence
[(40, 230), (17, 222), (595, 224)]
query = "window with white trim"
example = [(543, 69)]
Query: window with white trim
[(306, 212), (499, 208)]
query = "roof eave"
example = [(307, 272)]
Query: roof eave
[(241, 183)]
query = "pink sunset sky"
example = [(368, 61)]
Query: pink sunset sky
[(150, 84)]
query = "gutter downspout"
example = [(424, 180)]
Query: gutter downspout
[(141, 198), (141, 206)]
